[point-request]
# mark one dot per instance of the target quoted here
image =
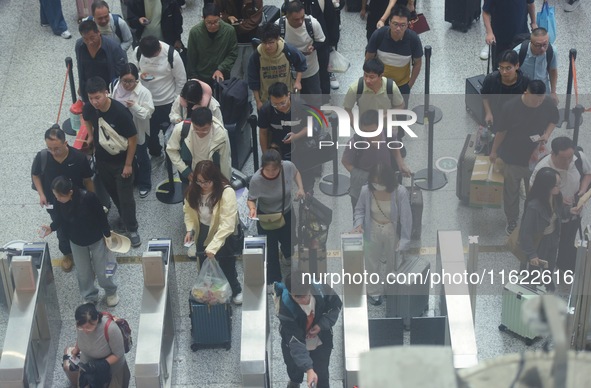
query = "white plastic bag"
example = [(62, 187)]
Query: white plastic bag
[(211, 286), (337, 62)]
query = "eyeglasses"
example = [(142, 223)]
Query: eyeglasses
[(398, 25), (129, 81), (540, 45), (281, 104), (215, 23), (505, 68), (203, 183)]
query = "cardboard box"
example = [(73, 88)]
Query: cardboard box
[(486, 184)]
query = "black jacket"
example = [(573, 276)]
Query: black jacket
[(171, 23), (293, 328), (83, 218)]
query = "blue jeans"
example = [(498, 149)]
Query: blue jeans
[(51, 13), (143, 177), (90, 261)]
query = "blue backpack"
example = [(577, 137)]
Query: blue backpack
[(282, 294)]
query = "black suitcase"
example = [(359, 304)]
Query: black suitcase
[(211, 325), (239, 179), (353, 5), (465, 168), (416, 207), (461, 13), (232, 94), (314, 220), (410, 298)]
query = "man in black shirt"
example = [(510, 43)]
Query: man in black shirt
[(499, 86), (59, 159), (525, 122), (97, 56), (113, 161), (282, 126)]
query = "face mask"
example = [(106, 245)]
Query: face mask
[(378, 187)]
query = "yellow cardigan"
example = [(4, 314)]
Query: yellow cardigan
[(223, 220)]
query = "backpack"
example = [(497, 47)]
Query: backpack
[(43, 154), (523, 51), (307, 23), (579, 161), (123, 326), (232, 94), (116, 18), (280, 293), (185, 132), (389, 88), (138, 55)]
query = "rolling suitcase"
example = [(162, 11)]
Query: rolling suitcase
[(409, 299), (465, 168), (514, 296), (270, 14), (416, 207), (473, 91), (461, 13), (211, 325), (239, 180), (232, 94), (314, 220), (83, 8)]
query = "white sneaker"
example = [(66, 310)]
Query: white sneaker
[(484, 53), (237, 299), (112, 300), (66, 34), (571, 5), (334, 83)]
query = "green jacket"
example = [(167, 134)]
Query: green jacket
[(206, 55)]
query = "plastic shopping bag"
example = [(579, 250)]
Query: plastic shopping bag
[(547, 19), (211, 287), (337, 62)]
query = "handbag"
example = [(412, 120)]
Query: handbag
[(273, 221), (109, 139), (547, 19), (419, 24)]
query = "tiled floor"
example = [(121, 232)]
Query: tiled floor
[(31, 77)]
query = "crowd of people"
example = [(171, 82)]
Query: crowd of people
[(138, 80)]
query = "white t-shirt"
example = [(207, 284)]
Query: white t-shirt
[(300, 38), (569, 179), (204, 210)]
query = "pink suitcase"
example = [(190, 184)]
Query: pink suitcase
[(83, 8)]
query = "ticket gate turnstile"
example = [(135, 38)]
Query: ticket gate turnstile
[(156, 332), (255, 349), (355, 317), (28, 353)]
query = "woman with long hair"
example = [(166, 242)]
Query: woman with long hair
[(99, 351), (211, 217), (81, 214), (270, 197), (194, 94), (138, 99), (382, 208), (539, 232)]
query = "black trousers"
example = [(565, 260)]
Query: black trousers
[(62, 237), (120, 190), (158, 119), (225, 258), (275, 237), (320, 358)]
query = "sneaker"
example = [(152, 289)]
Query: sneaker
[(66, 34), (291, 384), (44, 24), (571, 5), (67, 263), (374, 300), (134, 237), (484, 53), (334, 83), (119, 226), (112, 300), (144, 193), (511, 225), (237, 299)]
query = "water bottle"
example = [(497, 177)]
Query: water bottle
[(110, 268)]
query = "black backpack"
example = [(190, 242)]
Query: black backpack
[(232, 94), (307, 23), (523, 39), (43, 154), (138, 55)]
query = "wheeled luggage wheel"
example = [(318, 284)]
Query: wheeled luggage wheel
[(228, 345), (529, 341), (502, 327), (194, 347)]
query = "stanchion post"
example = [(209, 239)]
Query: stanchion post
[(566, 116), (334, 184), (578, 113), (422, 110), (430, 179), (430, 117), (70, 67)]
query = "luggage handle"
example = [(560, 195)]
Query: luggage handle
[(492, 50)]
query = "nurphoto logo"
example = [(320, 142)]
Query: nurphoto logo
[(393, 118)]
